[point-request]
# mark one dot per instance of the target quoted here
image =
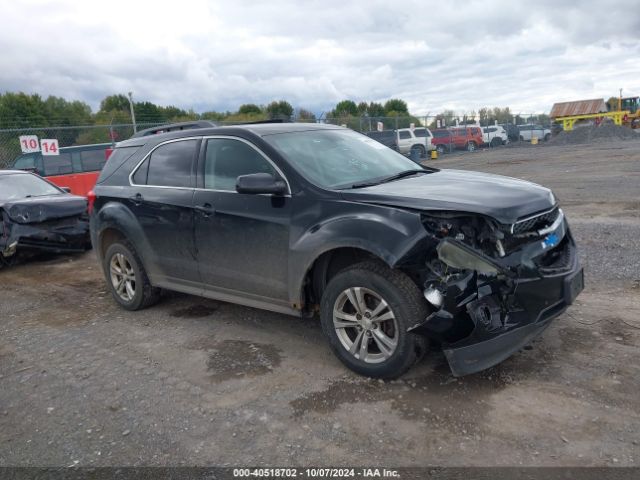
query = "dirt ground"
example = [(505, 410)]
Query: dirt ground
[(197, 382)]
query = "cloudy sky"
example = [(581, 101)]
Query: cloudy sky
[(209, 54)]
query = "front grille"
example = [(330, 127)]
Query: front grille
[(535, 223)]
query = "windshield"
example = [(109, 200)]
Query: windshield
[(24, 185), (339, 158)]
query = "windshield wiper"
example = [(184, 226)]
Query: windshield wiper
[(390, 178)]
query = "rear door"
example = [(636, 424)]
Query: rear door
[(405, 140), (162, 200), (242, 240)]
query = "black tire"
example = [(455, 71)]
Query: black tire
[(440, 149), (405, 302), (145, 294), (496, 141), (420, 149), (547, 137), (471, 147), (521, 138)]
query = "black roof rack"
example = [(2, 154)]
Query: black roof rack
[(172, 127)]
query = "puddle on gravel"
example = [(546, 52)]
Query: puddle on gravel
[(435, 397), (237, 358), (195, 311)]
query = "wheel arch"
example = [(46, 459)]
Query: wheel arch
[(316, 258), (116, 222)]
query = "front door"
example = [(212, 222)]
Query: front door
[(242, 240)]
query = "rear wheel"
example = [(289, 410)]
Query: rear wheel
[(365, 312), (547, 137), (496, 141), (418, 150), (440, 149), (126, 278)]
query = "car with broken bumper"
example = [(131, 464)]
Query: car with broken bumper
[(320, 220), (38, 216)]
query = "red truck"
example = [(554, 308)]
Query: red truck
[(463, 138)]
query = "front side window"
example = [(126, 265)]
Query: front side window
[(168, 166), (404, 135), (338, 158), (227, 159)]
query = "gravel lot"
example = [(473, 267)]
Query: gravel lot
[(196, 382)]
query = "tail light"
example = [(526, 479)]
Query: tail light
[(91, 199)]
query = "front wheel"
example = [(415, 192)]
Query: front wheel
[(126, 278), (471, 146), (365, 312), (440, 149), (547, 137)]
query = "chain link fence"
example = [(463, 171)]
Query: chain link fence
[(91, 134)]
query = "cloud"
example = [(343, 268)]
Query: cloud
[(218, 55)]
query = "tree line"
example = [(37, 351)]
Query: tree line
[(21, 110)]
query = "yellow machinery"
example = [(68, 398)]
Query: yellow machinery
[(628, 114)]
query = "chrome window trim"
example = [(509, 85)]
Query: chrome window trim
[(223, 137), (135, 169)]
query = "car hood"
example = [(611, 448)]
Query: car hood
[(40, 209), (504, 198)]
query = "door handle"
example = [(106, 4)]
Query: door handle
[(206, 209), (137, 199)]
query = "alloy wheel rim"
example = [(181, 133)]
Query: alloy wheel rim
[(123, 277), (365, 325)]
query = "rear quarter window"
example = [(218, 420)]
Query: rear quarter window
[(118, 157)]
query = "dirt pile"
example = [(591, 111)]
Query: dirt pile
[(606, 132)]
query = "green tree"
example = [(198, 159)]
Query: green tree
[(250, 109), (147, 112), (345, 108), (305, 115), (279, 109), (114, 102), (396, 105), (375, 109), (19, 110)]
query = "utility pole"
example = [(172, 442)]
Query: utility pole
[(620, 101), (133, 115)]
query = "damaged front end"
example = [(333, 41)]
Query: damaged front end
[(494, 287), (43, 224)]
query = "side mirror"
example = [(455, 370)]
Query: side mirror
[(66, 189), (257, 183)]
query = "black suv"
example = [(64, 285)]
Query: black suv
[(300, 218)]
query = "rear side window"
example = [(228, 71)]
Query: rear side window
[(57, 164), (169, 165)]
